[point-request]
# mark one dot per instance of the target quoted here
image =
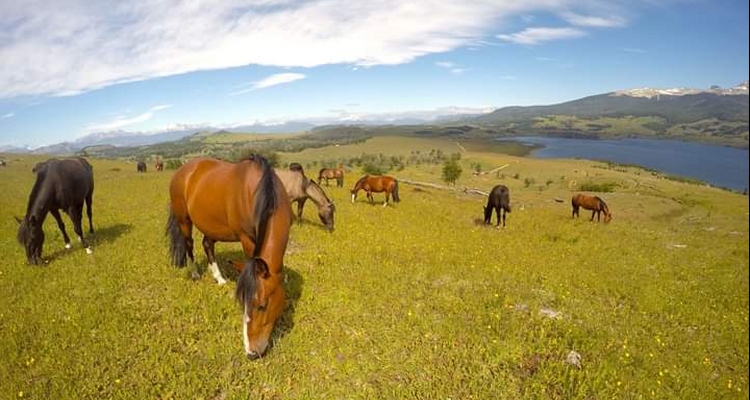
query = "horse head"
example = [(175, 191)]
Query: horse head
[(31, 237), (261, 296), (325, 213)]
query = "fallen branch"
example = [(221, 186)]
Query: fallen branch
[(443, 187)]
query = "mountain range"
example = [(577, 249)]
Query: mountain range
[(708, 112)]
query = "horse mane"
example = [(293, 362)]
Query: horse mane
[(359, 182), (603, 204), (314, 184), (41, 173), (264, 205)]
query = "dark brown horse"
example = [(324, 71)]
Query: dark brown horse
[(141, 167), (377, 184), (594, 203), (332, 173), (499, 201), (61, 184), (243, 202)]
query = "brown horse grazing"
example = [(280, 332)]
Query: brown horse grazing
[(243, 202), (299, 188), (141, 166), (158, 165), (594, 203), (377, 184), (332, 173)]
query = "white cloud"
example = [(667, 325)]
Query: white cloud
[(445, 64), (122, 121), (531, 36), (8, 115), (67, 47), (594, 21), (273, 80)]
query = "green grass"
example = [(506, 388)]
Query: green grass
[(414, 301)]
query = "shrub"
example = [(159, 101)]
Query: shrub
[(451, 171), (605, 187)]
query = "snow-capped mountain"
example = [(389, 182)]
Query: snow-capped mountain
[(740, 89)]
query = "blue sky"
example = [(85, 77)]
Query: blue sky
[(69, 68)]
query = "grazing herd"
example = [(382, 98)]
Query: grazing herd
[(246, 202)]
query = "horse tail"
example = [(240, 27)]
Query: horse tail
[(263, 207), (396, 199), (177, 242)]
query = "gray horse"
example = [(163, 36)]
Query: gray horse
[(299, 188)]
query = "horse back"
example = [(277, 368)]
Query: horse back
[(218, 197), (67, 182)]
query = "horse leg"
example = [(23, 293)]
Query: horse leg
[(88, 212), (386, 199), (208, 248), (499, 216), (575, 212), (56, 213), (300, 207), (592, 215), (370, 197), (76, 214)]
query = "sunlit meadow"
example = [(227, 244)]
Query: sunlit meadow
[(417, 300)]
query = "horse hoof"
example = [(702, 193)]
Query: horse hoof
[(89, 251), (221, 281), (68, 246)]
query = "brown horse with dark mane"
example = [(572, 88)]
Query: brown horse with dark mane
[(499, 201), (159, 165), (243, 202), (593, 203), (332, 173), (377, 184)]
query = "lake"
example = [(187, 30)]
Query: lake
[(717, 165)]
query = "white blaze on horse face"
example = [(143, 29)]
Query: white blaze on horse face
[(216, 273), (245, 340)]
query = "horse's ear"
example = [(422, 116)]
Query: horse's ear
[(261, 268), (19, 220)]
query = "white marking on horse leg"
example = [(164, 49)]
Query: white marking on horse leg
[(353, 198), (216, 273), (245, 340), (68, 246), (385, 203), (89, 251)]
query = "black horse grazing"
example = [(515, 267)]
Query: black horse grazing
[(141, 166), (498, 200), (61, 184)]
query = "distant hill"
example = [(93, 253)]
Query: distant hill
[(714, 114)]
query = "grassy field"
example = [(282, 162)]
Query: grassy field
[(413, 301)]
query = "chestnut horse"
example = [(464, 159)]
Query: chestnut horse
[(594, 203), (243, 202), (377, 184), (332, 173), (158, 165)]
